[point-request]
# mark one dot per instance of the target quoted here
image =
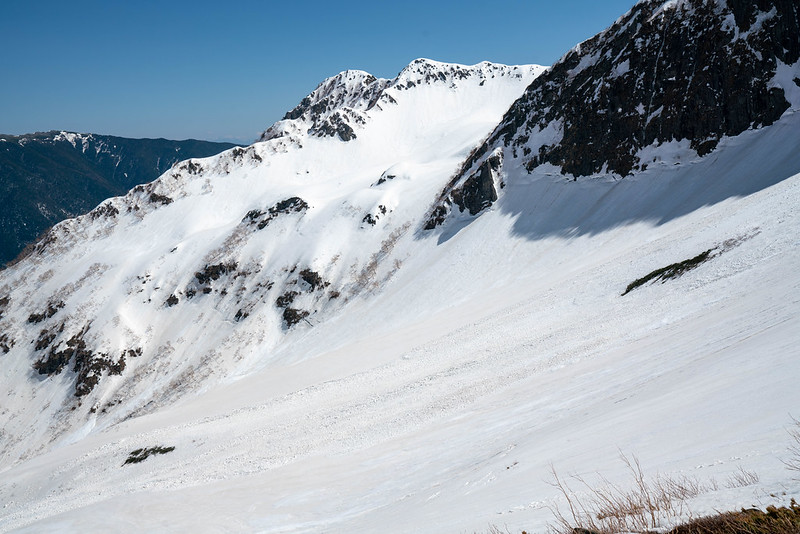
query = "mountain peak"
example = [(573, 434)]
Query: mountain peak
[(272, 313), (248, 244), (341, 103), (343, 88), (331, 108)]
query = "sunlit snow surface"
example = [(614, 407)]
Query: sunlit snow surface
[(437, 397)]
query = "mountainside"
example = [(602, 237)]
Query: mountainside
[(340, 105), (670, 74), (200, 274), (48, 177), (317, 333)]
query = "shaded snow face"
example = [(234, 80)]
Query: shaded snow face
[(202, 274)]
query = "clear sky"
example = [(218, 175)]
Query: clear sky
[(227, 70)]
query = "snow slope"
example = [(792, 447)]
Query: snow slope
[(204, 274), (440, 403), (311, 355)]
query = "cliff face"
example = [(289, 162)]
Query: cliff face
[(695, 70)]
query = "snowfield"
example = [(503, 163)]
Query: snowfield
[(458, 367)]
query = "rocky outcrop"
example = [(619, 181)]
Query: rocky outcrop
[(478, 192), (261, 219), (332, 109), (695, 70), (89, 366), (473, 194)]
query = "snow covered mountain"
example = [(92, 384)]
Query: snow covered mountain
[(200, 275), (47, 177), (340, 105), (316, 332), (666, 78)]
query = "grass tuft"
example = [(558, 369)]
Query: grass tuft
[(670, 271), (646, 504)]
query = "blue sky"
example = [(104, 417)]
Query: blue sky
[(227, 70)]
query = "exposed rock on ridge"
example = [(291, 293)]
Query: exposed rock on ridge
[(664, 71), (341, 103), (683, 69), (472, 193)]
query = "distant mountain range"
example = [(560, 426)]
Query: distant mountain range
[(51, 176)]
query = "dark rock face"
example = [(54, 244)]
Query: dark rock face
[(335, 106), (284, 207), (287, 298), (88, 365), (52, 309), (373, 218), (46, 337), (6, 343), (474, 193), (107, 210), (48, 177), (694, 69), (334, 126), (213, 272), (307, 282), (478, 192), (698, 70), (328, 95), (292, 316), (313, 279), (160, 199), (292, 204)]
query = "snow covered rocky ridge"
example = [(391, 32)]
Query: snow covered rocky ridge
[(48, 177), (321, 362)]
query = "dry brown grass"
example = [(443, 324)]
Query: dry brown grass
[(774, 521), (793, 462), (742, 478), (644, 504)]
